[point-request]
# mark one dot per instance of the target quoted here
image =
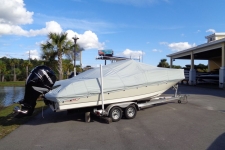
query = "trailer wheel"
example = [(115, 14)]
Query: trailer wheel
[(130, 112), (115, 113)]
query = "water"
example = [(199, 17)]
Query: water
[(8, 95)]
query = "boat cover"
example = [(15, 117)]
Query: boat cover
[(121, 75)]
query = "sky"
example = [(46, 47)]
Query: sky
[(149, 29)]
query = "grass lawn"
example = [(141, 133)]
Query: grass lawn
[(12, 83), (7, 121)]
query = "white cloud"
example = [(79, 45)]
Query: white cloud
[(211, 30), (178, 46), (7, 29), (198, 31), (51, 26), (87, 40), (133, 54), (33, 54), (157, 50), (13, 12)]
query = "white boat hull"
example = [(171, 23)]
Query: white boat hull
[(134, 94)]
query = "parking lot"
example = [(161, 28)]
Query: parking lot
[(198, 124)]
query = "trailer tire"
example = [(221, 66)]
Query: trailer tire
[(130, 112), (115, 113)]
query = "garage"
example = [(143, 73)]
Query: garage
[(213, 51)]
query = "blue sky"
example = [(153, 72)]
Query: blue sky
[(132, 28)]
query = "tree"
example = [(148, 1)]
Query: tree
[(67, 66), (58, 44), (70, 54), (163, 63), (13, 62), (202, 68), (2, 70), (176, 67), (16, 62), (26, 64), (199, 68), (78, 69)]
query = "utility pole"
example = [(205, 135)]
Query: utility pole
[(27, 67), (81, 59), (29, 56), (74, 60)]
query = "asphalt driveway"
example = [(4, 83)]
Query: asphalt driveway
[(197, 125)]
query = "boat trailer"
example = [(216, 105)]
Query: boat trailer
[(114, 112)]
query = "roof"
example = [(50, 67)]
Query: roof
[(214, 45)]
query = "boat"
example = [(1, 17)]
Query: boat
[(122, 81), (208, 78)]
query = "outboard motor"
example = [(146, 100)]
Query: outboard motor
[(40, 81)]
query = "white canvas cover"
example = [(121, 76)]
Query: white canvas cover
[(121, 75)]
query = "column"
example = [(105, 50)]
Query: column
[(192, 72), (209, 69), (222, 68), (171, 62)]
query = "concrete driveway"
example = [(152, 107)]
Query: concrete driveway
[(197, 125)]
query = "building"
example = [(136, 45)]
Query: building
[(213, 51)]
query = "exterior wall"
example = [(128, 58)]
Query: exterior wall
[(214, 37), (218, 37), (214, 63)]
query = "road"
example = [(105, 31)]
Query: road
[(197, 125)]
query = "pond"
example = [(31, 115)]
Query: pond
[(8, 95)]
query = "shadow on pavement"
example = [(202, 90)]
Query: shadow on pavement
[(190, 89), (54, 117), (218, 144), (47, 116)]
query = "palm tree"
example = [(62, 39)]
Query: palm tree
[(16, 62), (163, 63), (13, 62), (26, 64), (48, 56), (67, 66), (59, 45), (2, 70)]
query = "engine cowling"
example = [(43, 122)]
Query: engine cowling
[(40, 81)]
